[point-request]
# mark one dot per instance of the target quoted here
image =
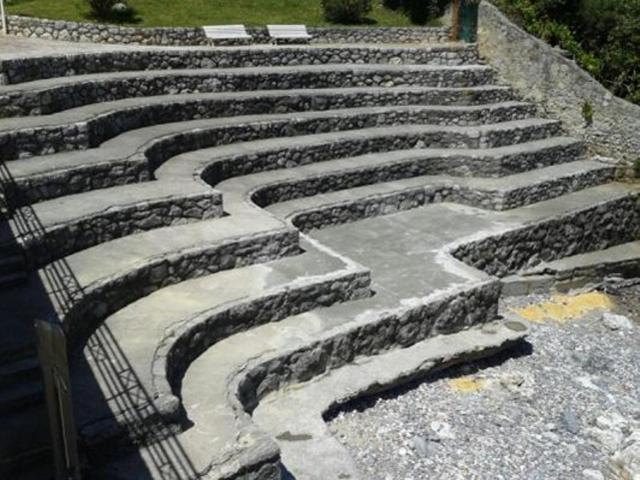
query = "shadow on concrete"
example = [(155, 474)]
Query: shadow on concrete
[(47, 294), (520, 349)]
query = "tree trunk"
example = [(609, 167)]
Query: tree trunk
[(455, 20)]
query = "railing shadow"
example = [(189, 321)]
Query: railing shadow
[(162, 456)]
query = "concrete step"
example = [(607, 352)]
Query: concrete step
[(29, 68), (90, 125), (135, 156), (351, 118), (252, 364), (577, 271), (75, 222), (95, 214), (270, 187), (233, 301), (58, 94), (299, 412), (353, 204), (89, 285)]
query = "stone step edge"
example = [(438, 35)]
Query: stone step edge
[(57, 133), (598, 226), (65, 65), (47, 83), (176, 349), (79, 137), (82, 307), (53, 238), (583, 270), (89, 114), (141, 165), (406, 198), (46, 243), (403, 327), (51, 96), (364, 378)]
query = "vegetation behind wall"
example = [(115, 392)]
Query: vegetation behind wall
[(602, 35)]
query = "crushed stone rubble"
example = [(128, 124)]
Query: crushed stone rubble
[(565, 404)]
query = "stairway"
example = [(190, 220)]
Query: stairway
[(227, 234)]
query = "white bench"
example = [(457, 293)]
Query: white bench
[(225, 32), (288, 32)]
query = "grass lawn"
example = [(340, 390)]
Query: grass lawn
[(205, 12)]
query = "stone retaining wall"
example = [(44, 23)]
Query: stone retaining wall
[(90, 133), (186, 342), (139, 166), (543, 75), (35, 68), (444, 313), (74, 94), (416, 165), (83, 312), (187, 339), (407, 199), (594, 228), (101, 33), (60, 240)]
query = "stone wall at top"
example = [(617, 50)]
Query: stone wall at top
[(542, 74), (186, 36)]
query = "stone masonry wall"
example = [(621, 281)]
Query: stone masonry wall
[(117, 87), (592, 229), (100, 33), (543, 75), (19, 70)]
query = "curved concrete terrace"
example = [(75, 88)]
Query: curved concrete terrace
[(197, 337)]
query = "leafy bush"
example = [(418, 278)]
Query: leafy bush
[(101, 8), (602, 35), (587, 113), (346, 11)]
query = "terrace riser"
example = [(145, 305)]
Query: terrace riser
[(58, 241), (594, 228), (464, 167), (88, 177), (64, 97), (30, 69), (151, 423), (407, 199), (50, 139), (82, 308), (397, 329)]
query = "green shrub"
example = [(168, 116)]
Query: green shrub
[(101, 8), (602, 35), (346, 11), (587, 113)]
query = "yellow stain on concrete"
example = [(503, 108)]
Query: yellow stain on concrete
[(564, 308), (467, 384)]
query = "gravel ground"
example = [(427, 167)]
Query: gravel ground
[(565, 405)]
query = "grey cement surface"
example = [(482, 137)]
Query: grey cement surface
[(557, 409), (20, 47)]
